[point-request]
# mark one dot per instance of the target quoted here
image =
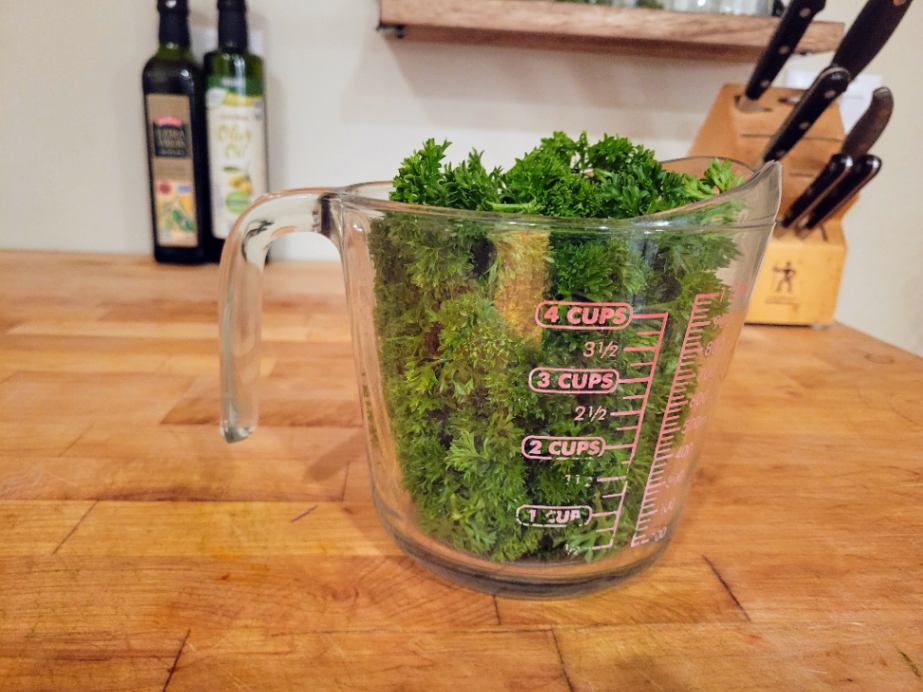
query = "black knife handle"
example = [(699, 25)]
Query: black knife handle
[(869, 127), (868, 33), (788, 33), (833, 172), (829, 84), (858, 177)]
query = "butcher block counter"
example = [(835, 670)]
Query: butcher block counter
[(139, 551)]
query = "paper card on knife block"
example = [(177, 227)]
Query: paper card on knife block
[(800, 277)]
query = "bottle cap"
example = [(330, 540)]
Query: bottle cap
[(232, 24), (174, 22), (173, 6)]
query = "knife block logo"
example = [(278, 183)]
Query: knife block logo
[(786, 274)]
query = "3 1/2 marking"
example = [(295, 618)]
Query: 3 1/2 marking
[(600, 349)]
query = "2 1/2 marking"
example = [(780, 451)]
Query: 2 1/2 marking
[(591, 413)]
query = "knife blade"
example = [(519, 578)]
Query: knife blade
[(830, 83), (860, 139), (868, 34), (833, 172), (869, 127), (860, 175), (791, 27)]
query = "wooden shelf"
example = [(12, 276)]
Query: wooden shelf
[(537, 24)]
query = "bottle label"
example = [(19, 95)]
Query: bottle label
[(237, 148), (172, 180)]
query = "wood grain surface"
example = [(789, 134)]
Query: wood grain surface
[(138, 551), (582, 27)]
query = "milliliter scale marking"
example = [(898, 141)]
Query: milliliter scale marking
[(651, 525)]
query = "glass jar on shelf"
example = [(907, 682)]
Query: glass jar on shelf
[(761, 8), (748, 7), (693, 5)]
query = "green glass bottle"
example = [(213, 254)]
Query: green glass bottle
[(236, 113), (177, 144)]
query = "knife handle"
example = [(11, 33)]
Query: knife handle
[(833, 172), (829, 84), (869, 127), (862, 172), (868, 34), (788, 33)]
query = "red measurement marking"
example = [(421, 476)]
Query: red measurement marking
[(568, 314), (626, 413), (545, 447), (600, 349), (635, 380), (693, 424), (592, 413), (615, 513), (562, 516), (627, 446), (699, 399), (690, 352), (553, 516), (652, 353), (573, 380)]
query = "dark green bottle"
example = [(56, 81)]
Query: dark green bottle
[(177, 142), (236, 113)]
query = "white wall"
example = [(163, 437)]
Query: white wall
[(346, 105), (882, 289)]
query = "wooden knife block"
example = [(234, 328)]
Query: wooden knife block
[(800, 277)]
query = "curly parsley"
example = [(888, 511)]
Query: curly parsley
[(455, 300)]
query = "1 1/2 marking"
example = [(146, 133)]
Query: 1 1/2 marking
[(578, 480)]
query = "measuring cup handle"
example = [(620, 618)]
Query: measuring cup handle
[(241, 293)]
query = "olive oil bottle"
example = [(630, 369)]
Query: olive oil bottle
[(236, 114), (177, 145)]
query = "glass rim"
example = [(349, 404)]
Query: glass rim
[(670, 219)]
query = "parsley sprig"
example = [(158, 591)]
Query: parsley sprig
[(561, 177)]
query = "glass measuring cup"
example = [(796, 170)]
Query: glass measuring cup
[(534, 390)]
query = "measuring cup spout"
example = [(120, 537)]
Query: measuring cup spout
[(752, 204), (308, 210)]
